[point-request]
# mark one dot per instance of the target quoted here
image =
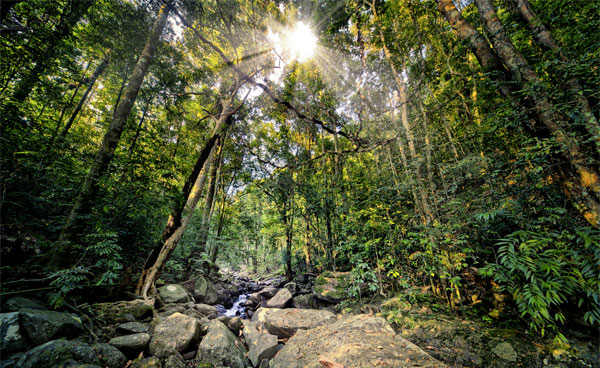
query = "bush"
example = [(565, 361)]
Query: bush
[(544, 272)]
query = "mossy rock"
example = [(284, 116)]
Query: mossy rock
[(331, 286)]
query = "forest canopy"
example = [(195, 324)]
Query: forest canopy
[(441, 143)]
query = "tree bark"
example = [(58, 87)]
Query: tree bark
[(543, 36), (583, 182), (183, 210), (63, 254)]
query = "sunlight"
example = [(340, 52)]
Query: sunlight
[(300, 42)]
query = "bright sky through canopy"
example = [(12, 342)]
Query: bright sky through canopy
[(300, 42)]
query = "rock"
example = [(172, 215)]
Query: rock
[(131, 344), (175, 361), (42, 326), (221, 348), (123, 311), (285, 322), (235, 325), (255, 298), (280, 300), (329, 286), (151, 362), (305, 301), (18, 303), (212, 296), (200, 287), (268, 292), (224, 320), (56, 352), (353, 341), (174, 333), (109, 356), (207, 310), (11, 334), (132, 328), (261, 345), (173, 293), (292, 287), (505, 351)]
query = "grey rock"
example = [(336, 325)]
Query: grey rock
[(109, 356), (285, 322), (200, 287), (353, 341), (505, 351), (175, 361), (221, 348), (42, 326), (268, 292), (304, 301), (56, 352), (174, 333), (235, 325), (261, 346), (255, 298), (132, 327), (131, 343), (173, 293), (206, 310), (18, 303), (280, 300), (11, 334), (224, 320), (292, 287)]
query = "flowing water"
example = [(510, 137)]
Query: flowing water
[(237, 310)]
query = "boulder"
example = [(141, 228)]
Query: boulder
[(235, 325), (173, 293), (42, 326), (174, 333), (280, 300), (109, 356), (255, 298), (200, 287), (261, 345), (11, 334), (132, 328), (353, 341), (304, 301), (206, 310), (329, 286), (175, 361), (285, 322), (123, 311), (18, 303), (221, 348), (131, 344), (268, 292), (212, 296), (292, 287), (56, 353)]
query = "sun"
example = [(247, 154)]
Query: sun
[(300, 42)]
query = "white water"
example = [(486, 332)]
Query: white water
[(237, 309)]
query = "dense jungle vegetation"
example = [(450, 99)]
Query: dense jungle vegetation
[(422, 143)]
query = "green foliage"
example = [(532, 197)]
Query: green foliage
[(545, 272)]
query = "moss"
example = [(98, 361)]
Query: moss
[(204, 365), (320, 280)]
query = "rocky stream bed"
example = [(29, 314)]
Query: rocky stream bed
[(231, 321)]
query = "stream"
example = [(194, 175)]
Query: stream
[(237, 310)]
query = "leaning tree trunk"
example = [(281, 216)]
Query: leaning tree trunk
[(182, 211), (580, 182), (62, 254)]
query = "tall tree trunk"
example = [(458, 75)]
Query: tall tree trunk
[(183, 210), (62, 256), (543, 36), (588, 177), (580, 182), (214, 250), (138, 131), (99, 70)]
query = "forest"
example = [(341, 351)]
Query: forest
[(418, 155)]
